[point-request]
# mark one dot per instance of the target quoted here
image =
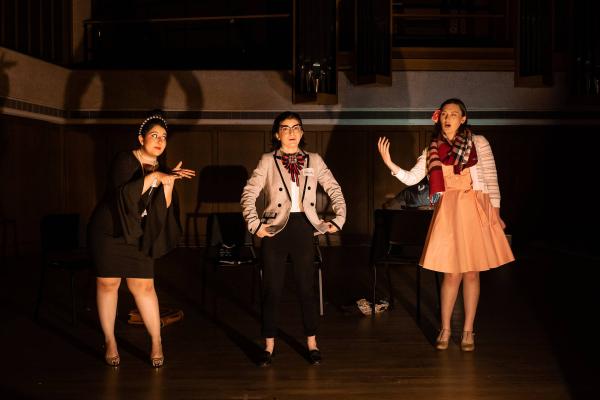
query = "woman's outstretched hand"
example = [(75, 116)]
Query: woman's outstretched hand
[(182, 172), (176, 173), (383, 145)]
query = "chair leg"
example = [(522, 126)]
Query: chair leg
[(203, 289), (374, 289), (390, 287), (320, 291), (418, 293), (253, 294), (89, 288), (15, 240), (73, 300), (187, 231), (40, 294), (216, 286), (196, 233), (4, 239)]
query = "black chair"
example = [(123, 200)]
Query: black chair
[(7, 224), (59, 236), (398, 239), (217, 184), (228, 245)]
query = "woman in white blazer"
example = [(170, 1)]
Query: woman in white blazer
[(288, 176)]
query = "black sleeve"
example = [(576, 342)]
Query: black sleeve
[(162, 228), (159, 231), (127, 182)]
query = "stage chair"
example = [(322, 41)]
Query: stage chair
[(217, 184), (59, 237), (398, 239), (228, 245)]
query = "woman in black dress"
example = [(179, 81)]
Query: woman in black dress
[(136, 222)]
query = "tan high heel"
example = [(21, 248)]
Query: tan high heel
[(112, 361), (467, 342), (441, 343), (157, 362)]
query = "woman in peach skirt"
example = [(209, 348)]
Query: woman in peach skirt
[(466, 234)]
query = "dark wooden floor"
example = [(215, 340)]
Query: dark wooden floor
[(533, 333)]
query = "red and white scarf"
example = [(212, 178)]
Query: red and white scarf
[(459, 152)]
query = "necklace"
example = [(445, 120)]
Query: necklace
[(153, 166), (138, 154)]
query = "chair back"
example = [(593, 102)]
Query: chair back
[(401, 232), (227, 239), (59, 232), (227, 228), (221, 184)]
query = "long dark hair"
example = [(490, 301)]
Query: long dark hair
[(437, 127), (276, 143)]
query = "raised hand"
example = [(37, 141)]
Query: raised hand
[(183, 173), (383, 145)]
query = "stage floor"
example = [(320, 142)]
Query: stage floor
[(532, 338)]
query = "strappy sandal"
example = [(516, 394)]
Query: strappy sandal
[(157, 362), (113, 361), (441, 343), (467, 345)]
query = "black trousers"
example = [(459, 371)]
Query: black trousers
[(295, 241)]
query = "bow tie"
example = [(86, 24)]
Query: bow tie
[(293, 163)]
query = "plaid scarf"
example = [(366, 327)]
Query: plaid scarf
[(293, 163), (460, 152)]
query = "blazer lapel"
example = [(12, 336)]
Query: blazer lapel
[(284, 181), (303, 178)]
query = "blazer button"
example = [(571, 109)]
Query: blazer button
[(280, 189), (279, 205), (309, 188), (312, 204)]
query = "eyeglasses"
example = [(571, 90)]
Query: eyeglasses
[(158, 138), (288, 129)]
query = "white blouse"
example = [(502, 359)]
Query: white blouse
[(295, 195)]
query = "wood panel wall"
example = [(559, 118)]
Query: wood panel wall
[(46, 168)]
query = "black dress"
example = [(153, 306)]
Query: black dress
[(122, 242)]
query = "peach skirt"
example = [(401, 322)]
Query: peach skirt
[(465, 233)]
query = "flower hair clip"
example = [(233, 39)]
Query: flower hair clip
[(436, 116), (150, 119)]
